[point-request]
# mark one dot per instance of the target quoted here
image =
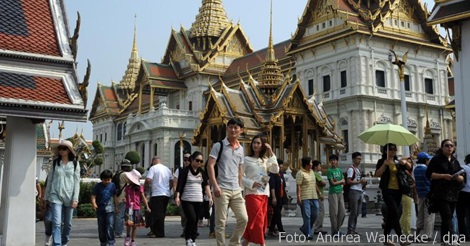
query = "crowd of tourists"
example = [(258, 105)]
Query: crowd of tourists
[(253, 187)]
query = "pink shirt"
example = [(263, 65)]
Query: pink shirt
[(133, 196)]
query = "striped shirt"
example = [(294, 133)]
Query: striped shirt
[(423, 184), (307, 181)]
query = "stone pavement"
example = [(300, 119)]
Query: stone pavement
[(84, 232)]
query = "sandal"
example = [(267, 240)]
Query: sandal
[(388, 243)]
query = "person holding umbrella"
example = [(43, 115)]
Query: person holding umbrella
[(387, 169)]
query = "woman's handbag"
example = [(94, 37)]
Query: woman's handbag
[(404, 184)]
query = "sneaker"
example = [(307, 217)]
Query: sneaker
[(127, 241), (133, 244), (48, 241), (189, 242), (200, 223), (212, 234)]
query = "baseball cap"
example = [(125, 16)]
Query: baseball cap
[(424, 155)]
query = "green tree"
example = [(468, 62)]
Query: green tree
[(133, 157)]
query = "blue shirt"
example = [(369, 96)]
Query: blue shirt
[(104, 197), (423, 184)]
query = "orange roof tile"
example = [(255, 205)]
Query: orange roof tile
[(29, 27), (27, 87)]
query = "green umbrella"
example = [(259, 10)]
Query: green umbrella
[(382, 134)]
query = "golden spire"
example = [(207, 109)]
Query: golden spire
[(270, 77), (130, 76), (210, 21)]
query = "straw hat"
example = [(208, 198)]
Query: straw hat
[(67, 144), (134, 176)]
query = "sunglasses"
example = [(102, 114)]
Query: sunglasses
[(199, 160), (185, 159), (62, 148), (448, 145)]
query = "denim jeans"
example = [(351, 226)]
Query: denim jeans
[(310, 209), (48, 222), (119, 219), (106, 228), (61, 237)]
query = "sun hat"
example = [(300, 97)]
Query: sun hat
[(67, 144), (134, 176), (424, 155), (187, 155)]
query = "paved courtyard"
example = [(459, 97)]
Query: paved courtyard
[(84, 232)]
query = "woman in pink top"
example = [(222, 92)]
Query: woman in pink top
[(258, 163), (134, 194)]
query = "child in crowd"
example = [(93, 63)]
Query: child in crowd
[(134, 195), (105, 202)]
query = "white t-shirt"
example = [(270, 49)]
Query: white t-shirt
[(357, 177), (160, 176)]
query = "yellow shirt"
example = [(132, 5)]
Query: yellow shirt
[(307, 182), (393, 182)]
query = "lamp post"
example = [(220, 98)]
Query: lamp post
[(392, 57), (181, 136)]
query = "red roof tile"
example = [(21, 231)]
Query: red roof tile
[(28, 26), (156, 70), (27, 87)]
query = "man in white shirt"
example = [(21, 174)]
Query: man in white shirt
[(160, 178), (227, 184), (353, 178)]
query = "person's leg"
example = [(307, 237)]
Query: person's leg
[(405, 218), (159, 222), (341, 211), (354, 202), (119, 220), (428, 221), (100, 217), (56, 211), (306, 204), (48, 221), (333, 208), (199, 210), (314, 210), (318, 226), (212, 220), (446, 218), (153, 207), (420, 216), (392, 212), (221, 204), (191, 219), (237, 204), (110, 227), (67, 227)]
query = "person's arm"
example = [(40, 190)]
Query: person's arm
[(299, 194), (93, 202), (380, 167), (209, 195), (175, 178), (212, 179), (39, 189), (349, 175), (147, 208), (76, 188), (298, 180)]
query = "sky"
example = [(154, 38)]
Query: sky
[(107, 32)]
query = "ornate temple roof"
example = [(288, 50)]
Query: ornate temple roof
[(210, 21), (105, 102), (37, 67), (373, 17)]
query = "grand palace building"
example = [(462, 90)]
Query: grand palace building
[(311, 95)]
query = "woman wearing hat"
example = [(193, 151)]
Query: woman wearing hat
[(63, 188)]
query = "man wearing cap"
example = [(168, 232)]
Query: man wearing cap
[(186, 162), (425, 222), (160, 179), (126, 166)]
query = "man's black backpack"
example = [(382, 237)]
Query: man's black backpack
[(216, 169), (117, 182)]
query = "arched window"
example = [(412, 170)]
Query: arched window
[(155, 149), (186, 149)]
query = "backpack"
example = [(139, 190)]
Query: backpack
[(346, 186), (117, 182)]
